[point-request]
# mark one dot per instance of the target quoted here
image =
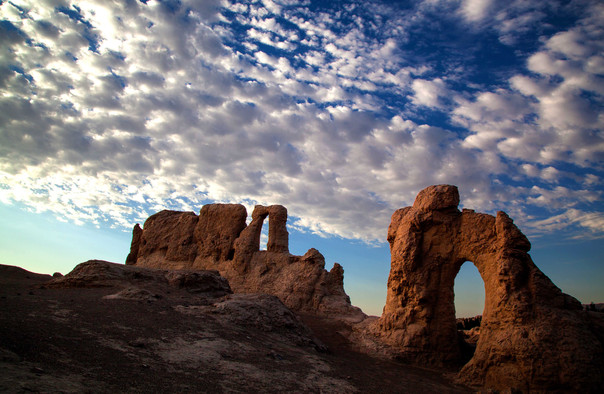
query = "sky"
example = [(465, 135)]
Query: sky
[(342, 111)]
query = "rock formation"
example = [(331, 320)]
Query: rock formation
[(532, 336), (218, 239)]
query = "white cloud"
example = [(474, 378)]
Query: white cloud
[(530, 86), (593, 222), (475, 10), (272, 6), (176, 108), (569, 43), (556, 118), (561, 196), (428, 93)]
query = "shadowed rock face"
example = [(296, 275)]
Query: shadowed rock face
[(219, 239), (533, 336)]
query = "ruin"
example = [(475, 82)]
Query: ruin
[(219, 239), (533, 336)]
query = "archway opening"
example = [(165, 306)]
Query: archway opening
[(469, 296)]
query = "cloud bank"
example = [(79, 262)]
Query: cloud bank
[(110, 111)]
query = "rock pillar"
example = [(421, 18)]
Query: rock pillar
[(278, 237)]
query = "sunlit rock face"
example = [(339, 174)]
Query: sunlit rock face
[(533, 336), (219, 239)]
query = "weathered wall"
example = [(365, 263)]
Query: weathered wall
[(219, 239)]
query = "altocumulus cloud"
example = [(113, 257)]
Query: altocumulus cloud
[(112, 110)]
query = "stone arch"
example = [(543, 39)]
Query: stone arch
[(429, 242)]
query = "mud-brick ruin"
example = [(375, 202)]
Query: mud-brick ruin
[(219, 239), (533, 337)]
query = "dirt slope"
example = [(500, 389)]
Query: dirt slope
[(139, 334)]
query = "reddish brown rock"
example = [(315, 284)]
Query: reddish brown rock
[(137, 233), (248, 241), (219, 239), (218, 227), (167, 236), (278, 240), (533, 337), (437, 197)]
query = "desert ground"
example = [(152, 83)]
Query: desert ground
[(139, 334)]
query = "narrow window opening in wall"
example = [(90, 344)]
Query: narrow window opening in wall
[(264, 234)]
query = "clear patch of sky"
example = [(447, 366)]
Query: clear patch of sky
[(469, 291), (38, 242), (575, 266)]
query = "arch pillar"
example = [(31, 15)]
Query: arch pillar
[(248, 242)]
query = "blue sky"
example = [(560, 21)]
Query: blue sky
[(341, 111)]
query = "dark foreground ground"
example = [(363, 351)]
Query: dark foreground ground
[(142, 336)]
